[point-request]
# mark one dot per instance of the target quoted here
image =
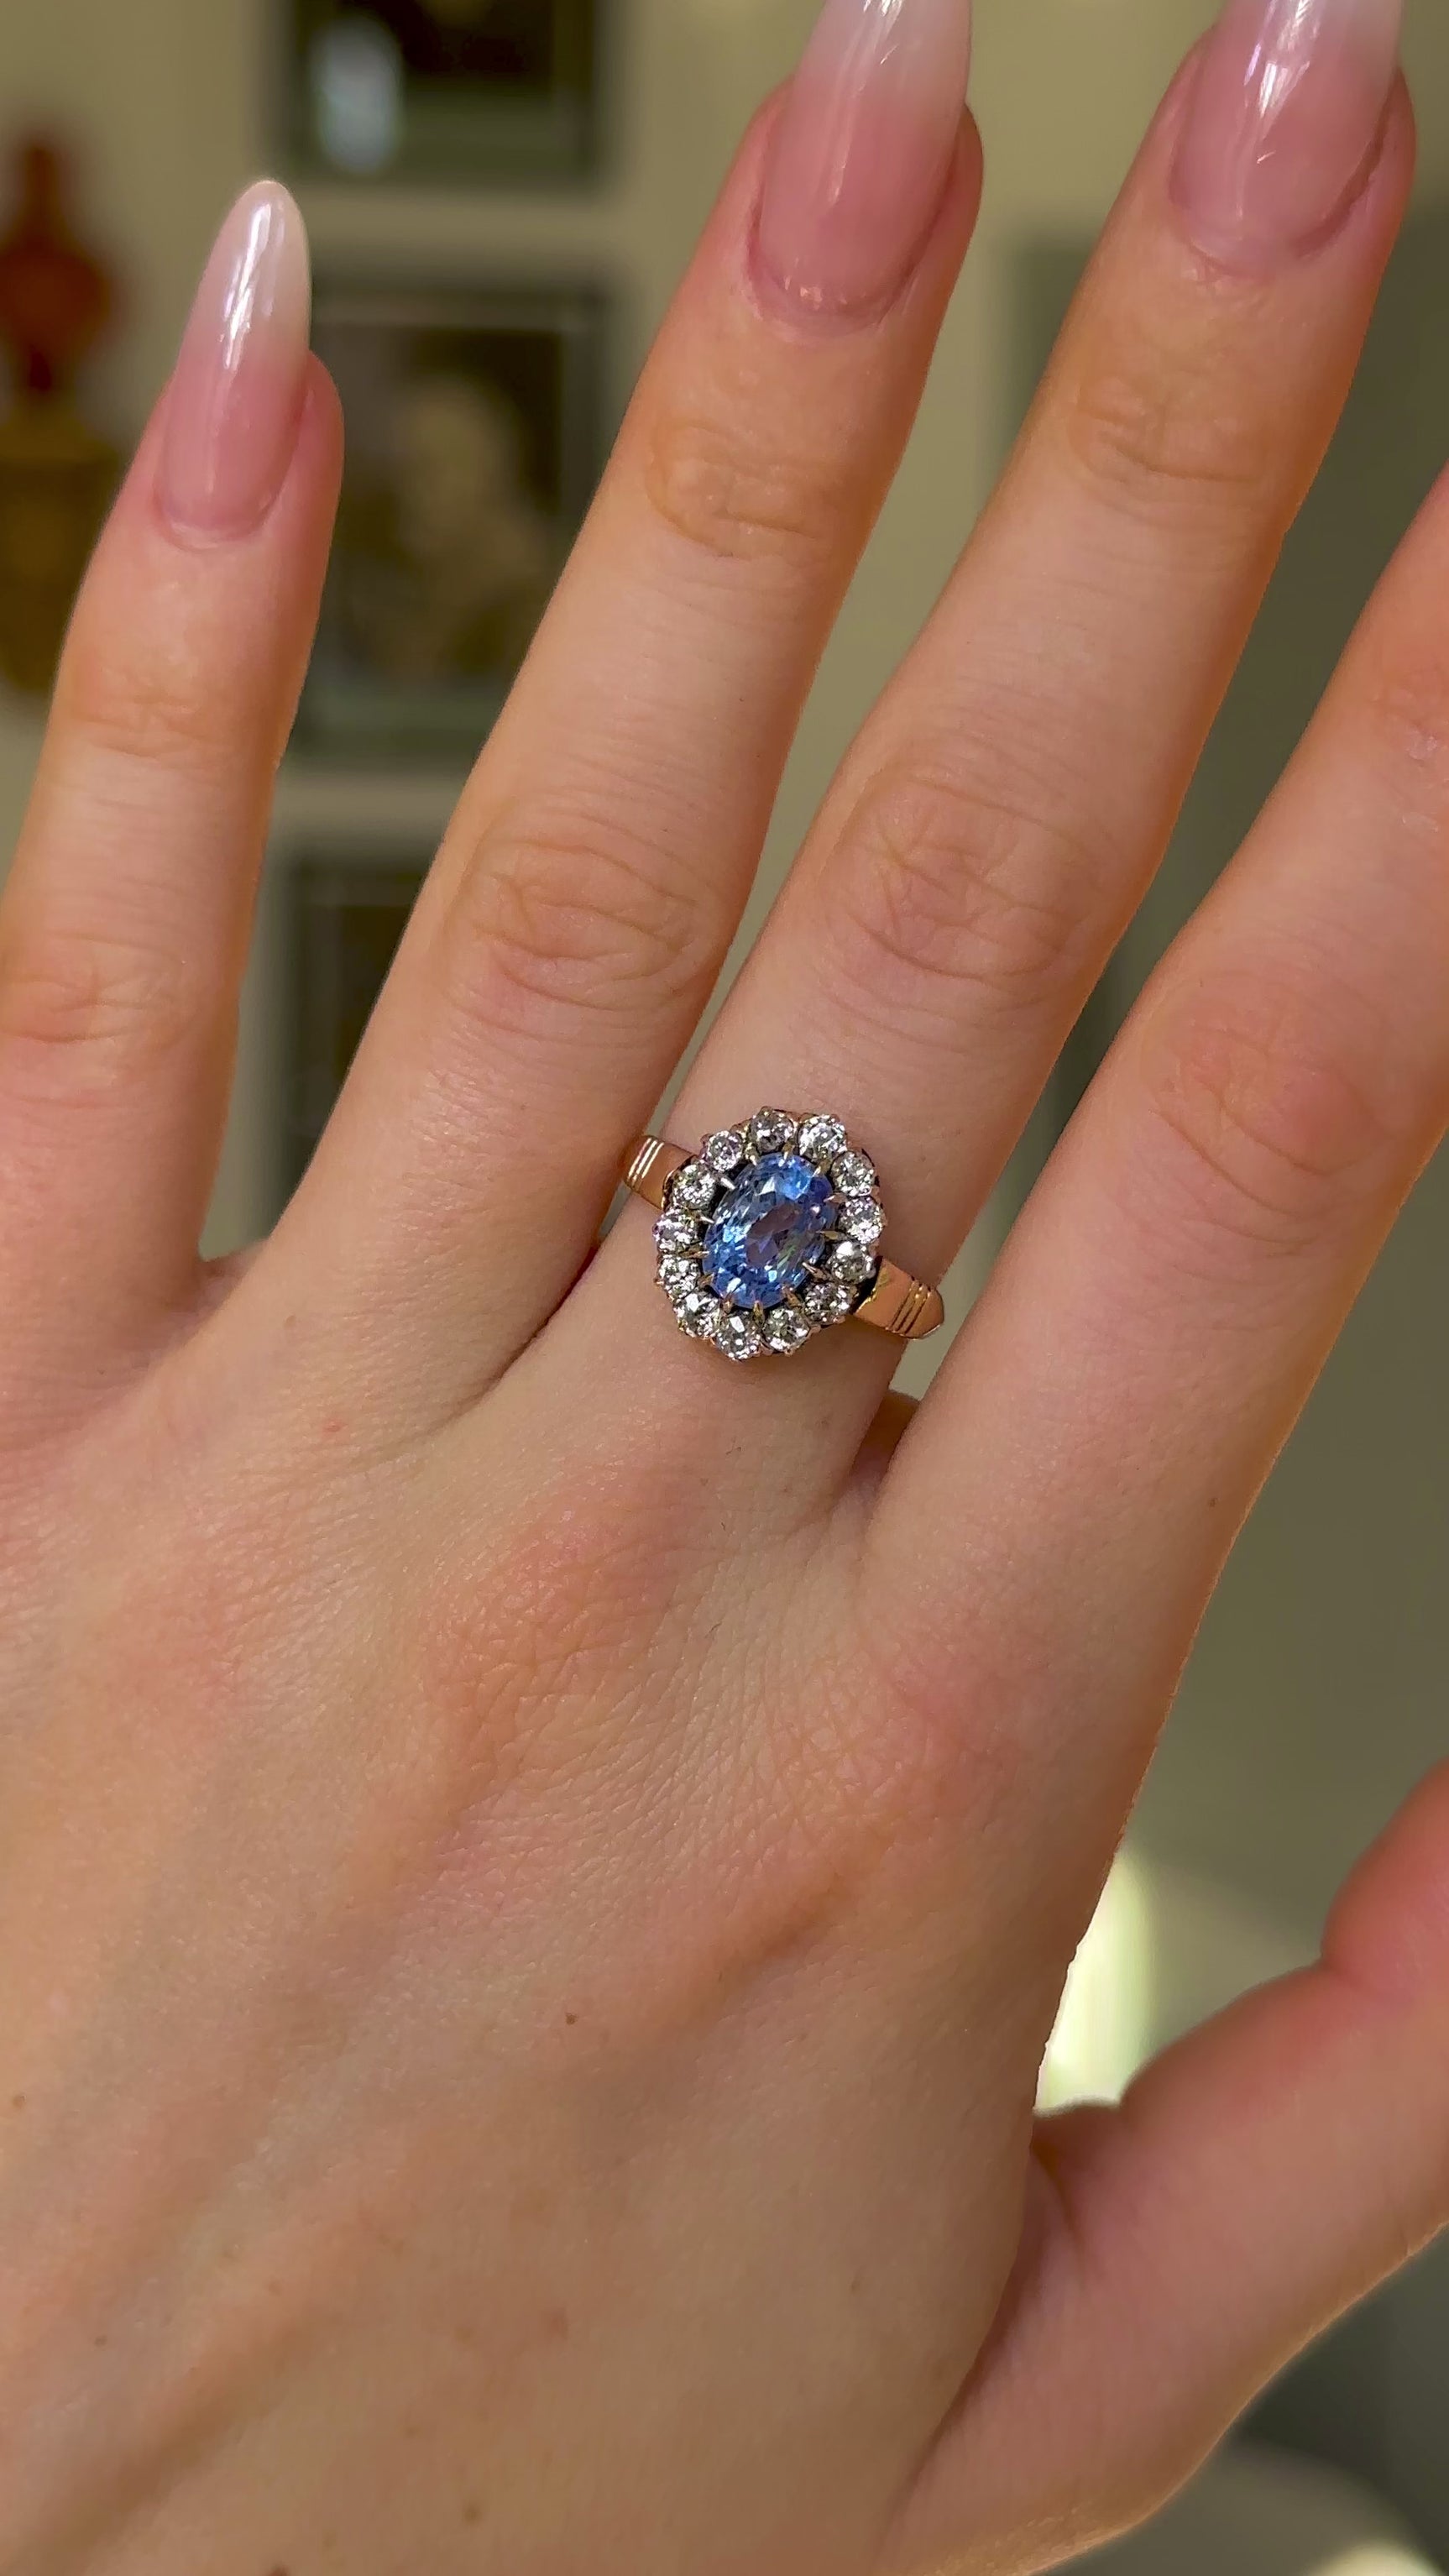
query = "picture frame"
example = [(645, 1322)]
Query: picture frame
[(471, 93), (344, 916), (474, 443)]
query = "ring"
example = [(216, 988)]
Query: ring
[(771, 1233)]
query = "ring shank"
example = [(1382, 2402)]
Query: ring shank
[(905, 1308), (652, 1166)]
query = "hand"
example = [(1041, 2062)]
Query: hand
[(538, 1865)]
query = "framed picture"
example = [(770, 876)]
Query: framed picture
[(473, 447), (345, 918), (472, 91)]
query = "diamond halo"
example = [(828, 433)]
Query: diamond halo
[(770, 1234)]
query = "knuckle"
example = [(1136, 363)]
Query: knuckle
[(1407, 706), (1261, 1088), (536, 1640), (739, 493), (940, 886), (906, 1729), (155, 715), (570, 911), (555, 1664), (114, 1003), (1162, 428)]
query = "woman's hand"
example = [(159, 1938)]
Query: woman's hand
[(538, 1865)]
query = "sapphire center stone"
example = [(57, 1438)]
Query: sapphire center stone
[(768, 1230)]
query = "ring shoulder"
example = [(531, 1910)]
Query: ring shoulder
[(902, 1306), (652, 1166)]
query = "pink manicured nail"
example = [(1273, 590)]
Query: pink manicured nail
[(858, 161), (236, 396), (1289, 101)]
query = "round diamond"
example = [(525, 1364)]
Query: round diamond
[(822, 1139), (769, 1230), (786, 1328), (863, 1220), (725, 1152), (697, 1313), (693, 1186), (676, 1234), (739, 1337), (771, 1130), (851, 1261), (678, 1275), (828, 1303), (854, 1173)]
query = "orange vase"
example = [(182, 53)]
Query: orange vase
[(56, 472)]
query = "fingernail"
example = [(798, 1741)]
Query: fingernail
[(236, 396), (1282, 124), (859, 158)]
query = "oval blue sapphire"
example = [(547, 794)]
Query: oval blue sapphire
[(767, 1231)]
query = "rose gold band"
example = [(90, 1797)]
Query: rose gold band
[(898, 1304)]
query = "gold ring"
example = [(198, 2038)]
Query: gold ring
[(771, 1233)]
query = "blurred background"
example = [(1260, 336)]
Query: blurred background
[(501, 194)]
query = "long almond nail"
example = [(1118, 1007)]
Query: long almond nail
[(1283, 122), (236, 396), (859, 159)]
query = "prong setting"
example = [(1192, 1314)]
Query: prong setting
[(693, 1188), (854, 1173), (822, 1138), (676, 1234), (770, 1234), (863, 1220), (851, 1261)]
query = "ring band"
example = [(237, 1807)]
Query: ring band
[(769, 1234)]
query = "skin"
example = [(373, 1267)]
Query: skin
[(535, 1868)]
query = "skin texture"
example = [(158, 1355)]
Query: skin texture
[(536, 1868)]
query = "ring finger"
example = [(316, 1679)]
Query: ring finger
[(997, 820)]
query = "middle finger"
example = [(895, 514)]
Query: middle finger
[(593, 877)]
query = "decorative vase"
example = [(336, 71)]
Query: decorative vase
[(56, 472)]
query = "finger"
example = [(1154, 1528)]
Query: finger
[(1194, 1246), (588, 891), (124, 924), (996, 823), (886, 1433), (1260, 2177)]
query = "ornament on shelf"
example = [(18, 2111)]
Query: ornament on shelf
[(56, 472)]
